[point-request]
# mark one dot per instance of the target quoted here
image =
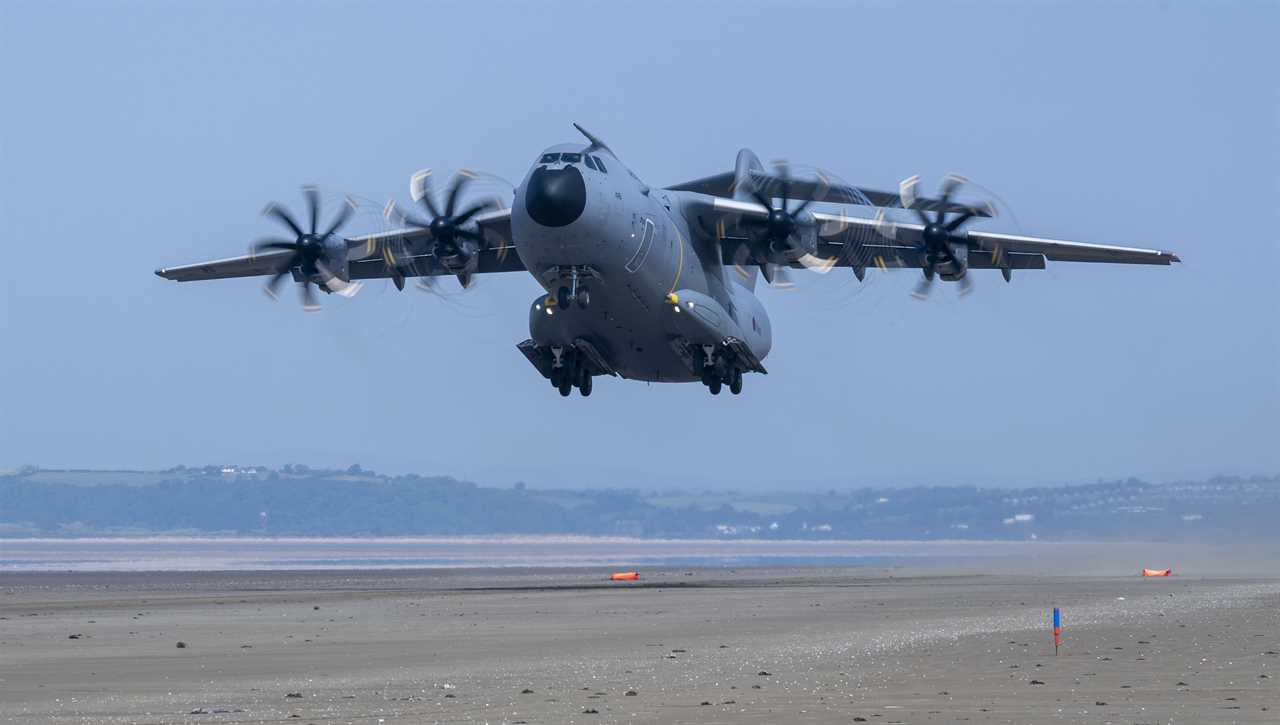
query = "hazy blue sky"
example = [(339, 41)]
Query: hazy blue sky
[(138, 135)]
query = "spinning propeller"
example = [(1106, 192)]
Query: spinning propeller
[(453, 242), (779, 230), (311, 249), (941, 241)]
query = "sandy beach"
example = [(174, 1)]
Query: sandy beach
[(713, 645)]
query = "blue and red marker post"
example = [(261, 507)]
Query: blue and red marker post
[(1057, 631)]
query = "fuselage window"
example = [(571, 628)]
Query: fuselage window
[(600, 164), (571, 158), (586, 159), (549, 158)]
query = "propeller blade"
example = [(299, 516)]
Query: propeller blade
[(330, 279), (309, 303), (886, 228), (274, 245), (813, 263), (769, 271), (461, 179), (272, 284), (954, 224), (393, 214), (951, 183), (465, 216), (907, 191), (784, 171), (422, 192), (313, 205), (344, 215), (921, 292), (279, 213)]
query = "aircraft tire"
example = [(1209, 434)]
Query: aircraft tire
[(562, 298), (585, 386), (566, 387), (714, 387), (584, 299), (735, 384)]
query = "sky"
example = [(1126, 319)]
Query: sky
[(137, 135)]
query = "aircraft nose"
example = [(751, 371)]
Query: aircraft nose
[(555, 197)]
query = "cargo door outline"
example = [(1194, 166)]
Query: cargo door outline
[(646, 243)]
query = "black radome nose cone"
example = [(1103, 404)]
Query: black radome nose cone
[(555, 197)]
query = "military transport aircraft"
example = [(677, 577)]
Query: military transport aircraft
[(649, 283)]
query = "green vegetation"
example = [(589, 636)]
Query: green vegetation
[(297, 500)]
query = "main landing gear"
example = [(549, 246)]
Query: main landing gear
[(716, 371), (570, 373)]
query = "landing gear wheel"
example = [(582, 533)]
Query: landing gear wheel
[(565, 386), (584, 299), (735, 383), (715, 387), (562, 298), (584, 387)]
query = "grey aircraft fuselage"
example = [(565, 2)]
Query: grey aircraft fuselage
[(630, 246)]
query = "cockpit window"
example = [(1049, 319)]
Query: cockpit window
[(600, 164), (571, 158), (549, 158), (586, 159)]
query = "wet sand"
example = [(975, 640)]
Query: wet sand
[(803, 645)]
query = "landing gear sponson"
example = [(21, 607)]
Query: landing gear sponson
[(573, 366)]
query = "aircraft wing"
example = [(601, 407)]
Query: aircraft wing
[(856, 241), (370, 256), (819, 189), (849, 241), (250, 265)]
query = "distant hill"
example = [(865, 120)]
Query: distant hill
[(297, 500)]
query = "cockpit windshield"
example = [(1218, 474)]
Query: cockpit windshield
[(593, 162)]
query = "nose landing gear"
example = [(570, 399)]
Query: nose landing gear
[(574, 290)]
